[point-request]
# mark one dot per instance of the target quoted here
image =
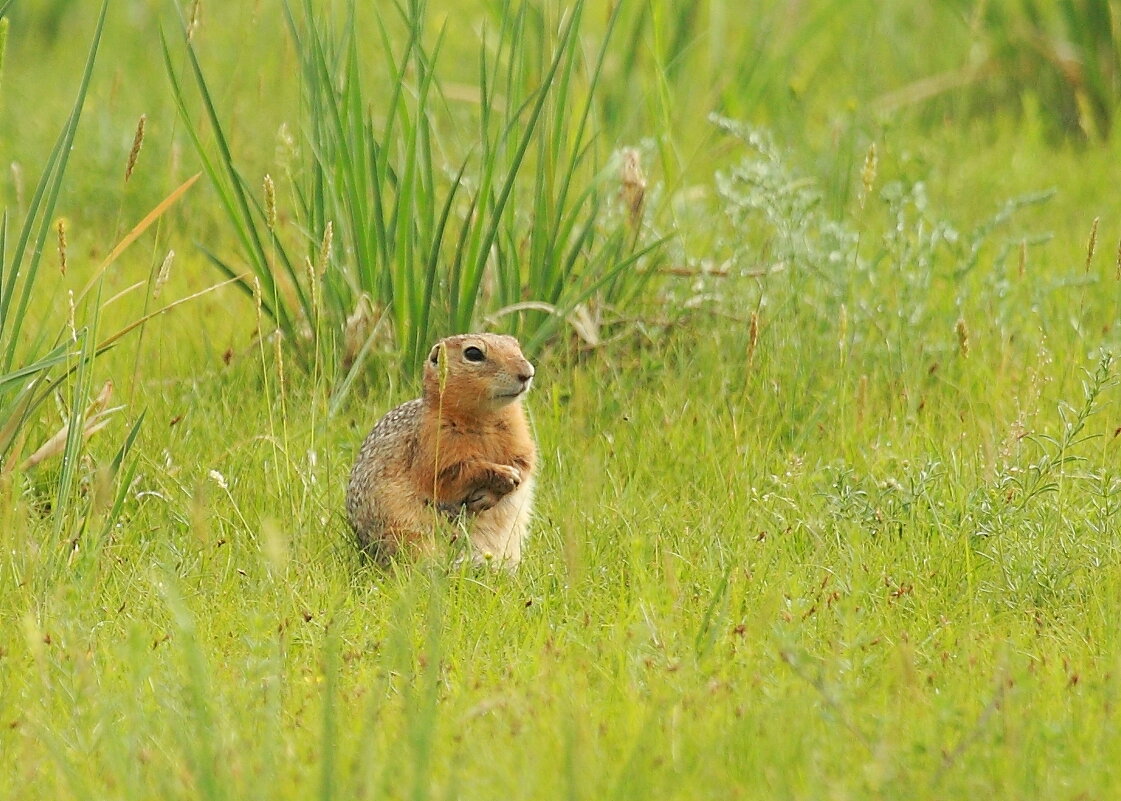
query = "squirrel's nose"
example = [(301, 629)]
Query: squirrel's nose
[(526, 373)]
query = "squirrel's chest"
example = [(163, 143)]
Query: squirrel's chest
[(494, 440), (457, 442)]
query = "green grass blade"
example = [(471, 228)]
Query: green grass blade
[(566, 40), (42, 205)]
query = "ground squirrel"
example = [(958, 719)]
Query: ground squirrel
[(462, 453)]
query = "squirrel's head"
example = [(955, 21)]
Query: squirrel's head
[(477, 372)]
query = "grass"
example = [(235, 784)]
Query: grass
[(833, 514)]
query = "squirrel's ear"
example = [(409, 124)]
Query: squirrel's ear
[(434, 356)]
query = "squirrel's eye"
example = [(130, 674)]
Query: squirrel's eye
[(473, 354)]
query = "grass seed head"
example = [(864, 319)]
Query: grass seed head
[(868, 174), (311, 279), (219, 479), (1092, 245), (137, 143), (632, 185), (163, 274), (325, 249), (70, 318), (257, 301), (195, 20), (962, 331), (270, 203), (61, 228)]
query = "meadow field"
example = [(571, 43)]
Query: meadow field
[(823, 301)]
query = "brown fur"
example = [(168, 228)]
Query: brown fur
[(462, 450)]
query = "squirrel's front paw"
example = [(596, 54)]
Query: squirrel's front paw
[(481, 499), (506, 478), (501, 481)]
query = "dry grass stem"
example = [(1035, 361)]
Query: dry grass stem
[(96, 417), (278, 346)]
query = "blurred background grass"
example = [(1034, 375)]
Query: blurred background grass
[(829, 491)]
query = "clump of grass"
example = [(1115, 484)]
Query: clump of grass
[(25, 370), (435, 235), (38, 363)]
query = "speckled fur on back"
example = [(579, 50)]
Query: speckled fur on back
[(462, 453), (377, 480)]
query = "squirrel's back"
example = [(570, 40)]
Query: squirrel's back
[(386, 455)]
